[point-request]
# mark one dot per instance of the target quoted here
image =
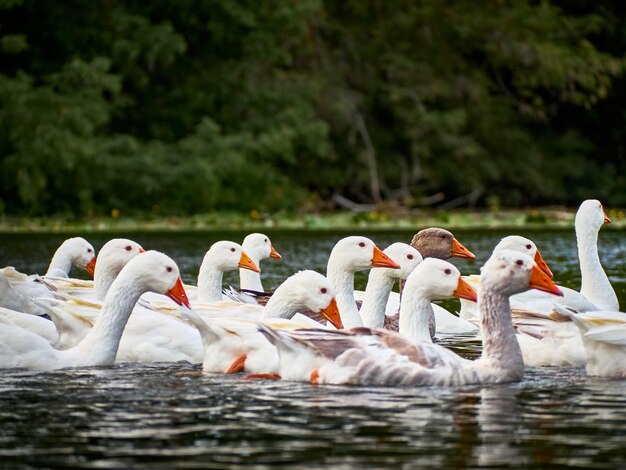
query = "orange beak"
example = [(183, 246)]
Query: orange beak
[(246, 262), (178, 294), (539, 280), (331, 313), (460, 251), (91, 266), (465, 291), (381, 260), (542, 264), (275, 254), (606, 217), (141, 250)]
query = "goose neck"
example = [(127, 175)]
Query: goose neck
[(280, 306), (501, 350), (103, 279), (342, 281), (60, 264), (100, 345), (416, 316), (595, 284), (375, 300), (250, 280), (210, 285)]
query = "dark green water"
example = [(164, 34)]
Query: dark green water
[(167, 416)]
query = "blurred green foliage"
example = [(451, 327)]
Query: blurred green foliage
[(182, 107)]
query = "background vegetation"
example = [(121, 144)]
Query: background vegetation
[(190, 106)]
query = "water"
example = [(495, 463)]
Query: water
[(172, 416)]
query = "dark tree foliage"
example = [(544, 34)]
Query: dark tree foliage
[(189, 106)]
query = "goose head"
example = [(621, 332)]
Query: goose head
[(407, 258), (227, 256), (590, 216), (511, 272), (158, 273), (439, 279), (81, 253), (114, 255), (439, 243), (258, 246), (526, 246), (310, 290), (359, 253)]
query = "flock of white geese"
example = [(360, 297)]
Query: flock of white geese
[(317, 328)]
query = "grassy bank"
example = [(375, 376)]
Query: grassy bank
[(540, 218)]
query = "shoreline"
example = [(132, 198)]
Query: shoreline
[(528, 219)]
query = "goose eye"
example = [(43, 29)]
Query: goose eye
[(232, 249), (443, 237), (409, 256), (519, 262), (129, 248), (169, 269), (362, 244), (89, 250), (265, 241), (528, 247), (323, 290), (447, 271)]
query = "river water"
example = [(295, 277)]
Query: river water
[(172, 416)]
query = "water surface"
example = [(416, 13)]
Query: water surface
[(172, 416)]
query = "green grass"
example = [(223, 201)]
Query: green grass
[(543, 218)]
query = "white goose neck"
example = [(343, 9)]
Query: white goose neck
[(103, 279), (416, 316), (210, 285), (249, 279), (595, 284), (280, 305), (379, 285), (61, 263), (501, 351), (342, 281), (100, 345)]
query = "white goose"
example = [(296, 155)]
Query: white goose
[(377, 309), (74, 317), (258, 247), (469, 310), (76, 252), (544, 337), (222, 256), (380, 307), (151, 271), (435, 242), (604, 339), (115, 254), (373, 356), (349, 255), (596, 292), (232, 343), (149, 336), (72, 252)]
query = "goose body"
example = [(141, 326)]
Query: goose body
[(374, 356), (603, 335), (232, 342)]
